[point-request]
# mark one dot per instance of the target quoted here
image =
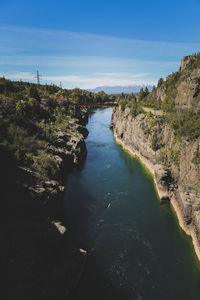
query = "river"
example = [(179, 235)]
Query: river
[(137, 250)]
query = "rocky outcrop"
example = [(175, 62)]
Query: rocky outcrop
[(188, 91), (185, 61), (172, 164), (182, 87), (70, 149)]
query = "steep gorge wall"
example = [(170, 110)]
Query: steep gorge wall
[(175, 174)]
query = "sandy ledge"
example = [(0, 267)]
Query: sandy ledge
[(188, 229)]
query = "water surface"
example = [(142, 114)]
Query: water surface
[(137, 249)]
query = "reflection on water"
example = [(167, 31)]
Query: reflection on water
[(137, 249)]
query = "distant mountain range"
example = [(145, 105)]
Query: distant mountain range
[(120, 89)]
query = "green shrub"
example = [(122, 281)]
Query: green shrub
[(185, 123), (152, 122), (168, 104), (169, 156), (45, 165), (27, 110)]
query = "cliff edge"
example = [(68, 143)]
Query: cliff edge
[(164, 134)]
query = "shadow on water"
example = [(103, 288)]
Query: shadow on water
[(80, 207), (94, 285), (81, 219)]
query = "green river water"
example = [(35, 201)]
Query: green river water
[(137, 250)]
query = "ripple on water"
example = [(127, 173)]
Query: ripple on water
[(122, 257)]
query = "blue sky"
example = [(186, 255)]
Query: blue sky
[(93, 43)]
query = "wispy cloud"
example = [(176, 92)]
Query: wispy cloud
[(120, 75), (86, 60), (61, 41), (85, 82), (19, 76), (94, 81), (81, 61)]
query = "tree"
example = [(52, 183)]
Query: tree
[(2, 88), (28, 109), (153, 89), (155, 142), (33, 93), (146, 91), (167, 104), (141, 95), (160, 82)]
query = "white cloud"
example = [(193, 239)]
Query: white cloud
[(121, 75), (85, 82), (20, 76), (92, 81)]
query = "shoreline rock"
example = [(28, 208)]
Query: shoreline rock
[(129, 132)]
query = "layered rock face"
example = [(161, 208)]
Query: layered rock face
[(70, 149), (173, 166), (183, 86)]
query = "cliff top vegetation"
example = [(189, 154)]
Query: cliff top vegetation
[(177, 99)]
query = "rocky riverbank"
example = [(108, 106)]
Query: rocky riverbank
[(173, 165), (37, 260)]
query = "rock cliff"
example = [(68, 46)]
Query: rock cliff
[(183, 87), (170, 160)]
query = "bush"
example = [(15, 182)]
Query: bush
[(21, 143), (168, 104), (28, 109), (169, 156), (45, 165), (185, 123)]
